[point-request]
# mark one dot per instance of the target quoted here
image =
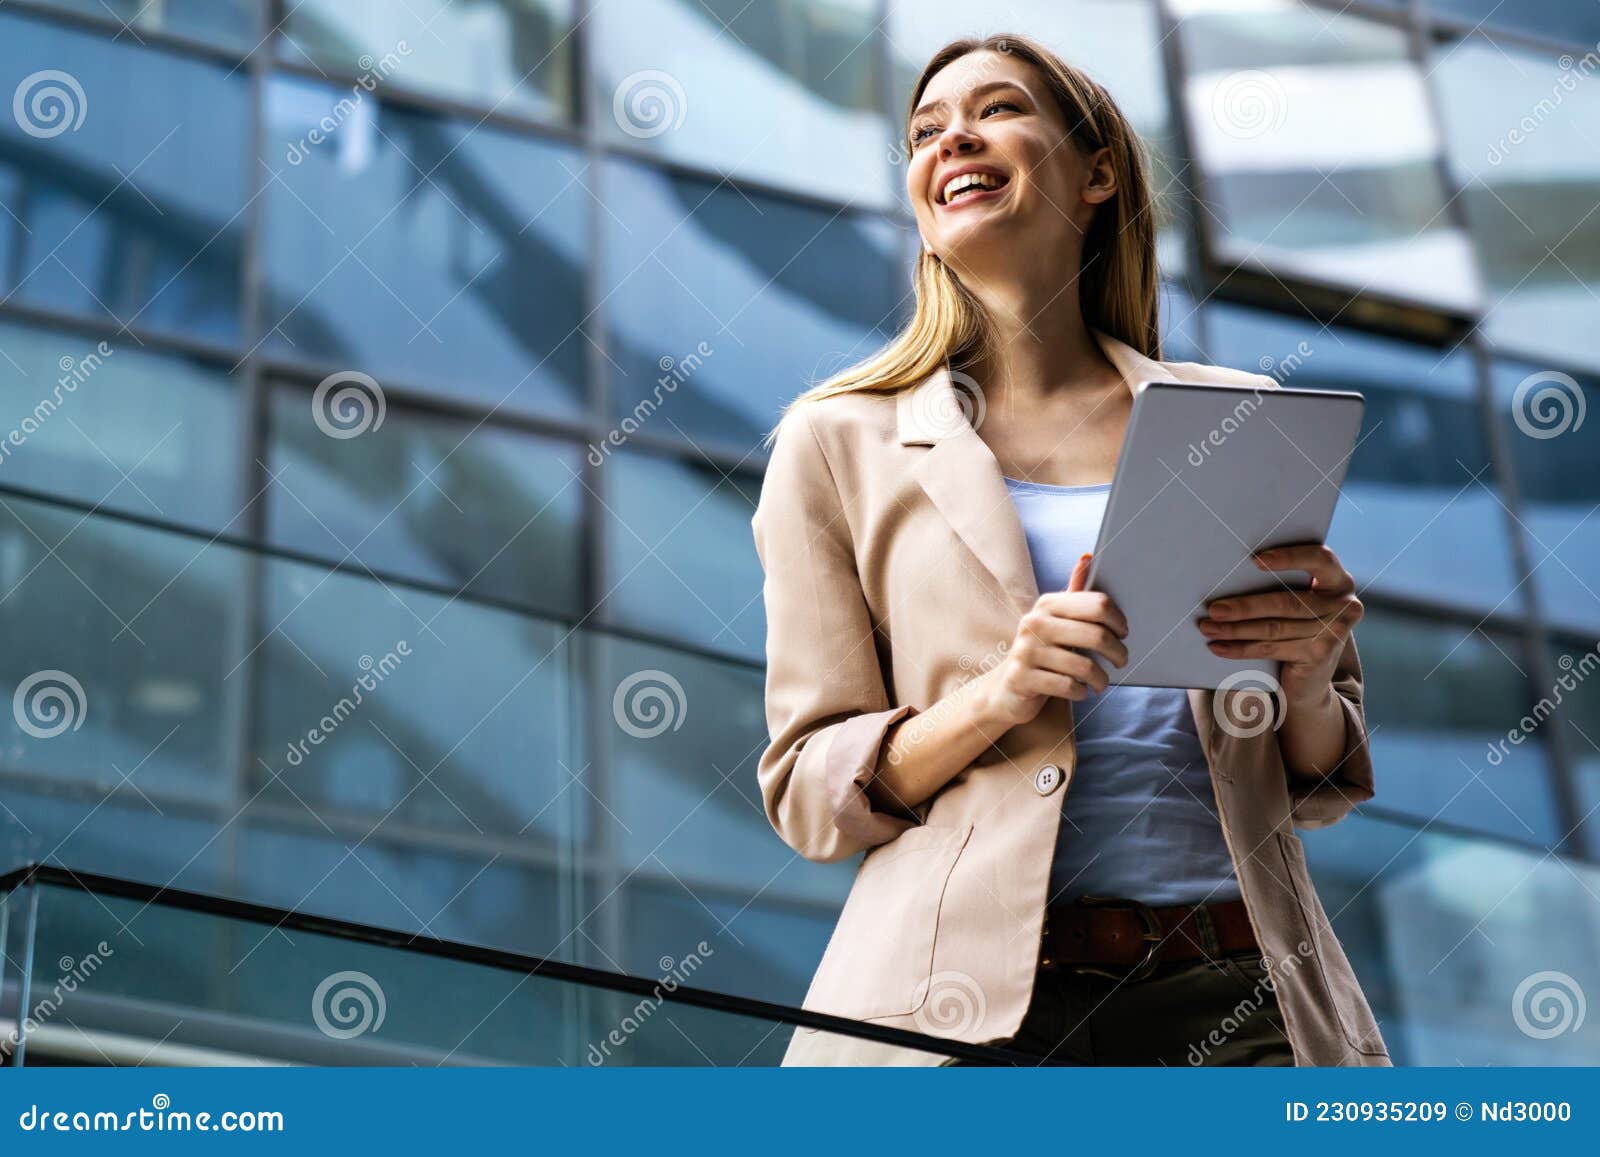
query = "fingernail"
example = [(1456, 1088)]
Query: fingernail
[(1219, 610)]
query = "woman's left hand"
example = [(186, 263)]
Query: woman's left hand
[(1306, 629)]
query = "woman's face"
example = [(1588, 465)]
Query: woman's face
[(994, 178)]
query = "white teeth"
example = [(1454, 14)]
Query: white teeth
[(958, 185)]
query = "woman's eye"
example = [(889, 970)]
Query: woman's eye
[(999, 104), (919, 135)]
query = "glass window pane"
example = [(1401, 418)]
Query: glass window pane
[(682, 558), (765, 950), (1577, 692), (122, 636), (748, 89), (1555, 452), (483, 510), (1439, 699), (1521, 131), (130, 210), (516, 55), (1319, 151), (413, 708), (232, 23), (683, 736), (1422, 514), (1446, 933), (424, 249), (1118, 42), (109, 423), (1575, 20), (721, 307)]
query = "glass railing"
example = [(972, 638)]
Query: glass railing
[(105, 971)]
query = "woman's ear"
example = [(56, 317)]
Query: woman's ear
[(1101, 183)]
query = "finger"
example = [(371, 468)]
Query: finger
[(1063, 661), (1305, 651), (1302, 604), (1326, 571), (1080, 574), (1061, 632), (1087, 606), (1272, 629)]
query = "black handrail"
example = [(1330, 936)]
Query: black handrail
[(95, 884)]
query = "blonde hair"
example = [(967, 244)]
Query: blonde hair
[(1118, 280)]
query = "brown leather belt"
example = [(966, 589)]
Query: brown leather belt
[(1126, 940)]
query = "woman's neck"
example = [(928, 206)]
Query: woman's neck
[(1042, 346)]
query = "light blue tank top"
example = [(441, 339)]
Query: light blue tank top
[(1139, 820)]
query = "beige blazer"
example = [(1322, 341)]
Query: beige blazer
[(896, 568)]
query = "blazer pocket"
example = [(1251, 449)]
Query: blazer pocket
[(1349, 1004), (880, 957)]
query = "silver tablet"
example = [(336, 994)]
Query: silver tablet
[(1207, 474)]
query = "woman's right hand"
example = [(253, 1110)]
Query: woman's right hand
[(1050, 654)]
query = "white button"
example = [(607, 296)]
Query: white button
[(1047, 779)]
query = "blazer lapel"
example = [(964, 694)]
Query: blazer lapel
[(961, 476)]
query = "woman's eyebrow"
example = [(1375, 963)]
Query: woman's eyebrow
[(978, 91)]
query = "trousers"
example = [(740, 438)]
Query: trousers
[(1195, 1013)]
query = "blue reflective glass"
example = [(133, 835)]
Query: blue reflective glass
[(1446, 933), (761, 948), (1551, 422), (1439, 701), (752, 90), (511, 55), (1422, 514), (1574, 20), (128, 210), (479, 509), (119, 648), (424, 249), (230, 23), (1320, 154), (405, 707), (683, 734), (109, 423), (683, 562), (721, 307)]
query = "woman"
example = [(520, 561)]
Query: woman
[(922, 530)]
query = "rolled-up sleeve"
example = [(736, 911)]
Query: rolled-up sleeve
[(1317, 801), (827, 709)]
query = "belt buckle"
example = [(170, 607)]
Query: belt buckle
[(1153, 936)]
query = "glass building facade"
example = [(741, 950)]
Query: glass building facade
[(385, 387)]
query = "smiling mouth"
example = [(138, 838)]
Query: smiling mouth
[(971, 186)]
